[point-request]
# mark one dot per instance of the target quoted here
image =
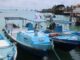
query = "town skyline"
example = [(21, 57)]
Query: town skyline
[(35, 4)]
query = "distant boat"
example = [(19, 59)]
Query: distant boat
[(8, 50)]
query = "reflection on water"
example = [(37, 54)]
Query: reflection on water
[(75, 54), (72, 55), (76, 28)]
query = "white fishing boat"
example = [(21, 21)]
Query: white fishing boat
[(33, 37), (8, 50)]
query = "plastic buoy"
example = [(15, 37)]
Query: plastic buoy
[(53, 34)]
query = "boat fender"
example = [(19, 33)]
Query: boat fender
[(53, 34)]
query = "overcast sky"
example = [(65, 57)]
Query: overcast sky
[(35, 4)]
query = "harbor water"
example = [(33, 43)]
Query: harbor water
[(25, 55)]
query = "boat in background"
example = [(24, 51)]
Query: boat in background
[(64, 39), (67, 41), (8, 50)]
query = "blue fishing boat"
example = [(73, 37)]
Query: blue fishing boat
[(8, 50), (31, 37), (67, 41)]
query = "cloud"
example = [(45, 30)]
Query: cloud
[(35, 4)]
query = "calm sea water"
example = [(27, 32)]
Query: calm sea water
[(72, 55)]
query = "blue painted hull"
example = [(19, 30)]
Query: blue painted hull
[(34, 51), (37, 45)]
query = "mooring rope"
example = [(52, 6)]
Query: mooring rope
[(55, 51)]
